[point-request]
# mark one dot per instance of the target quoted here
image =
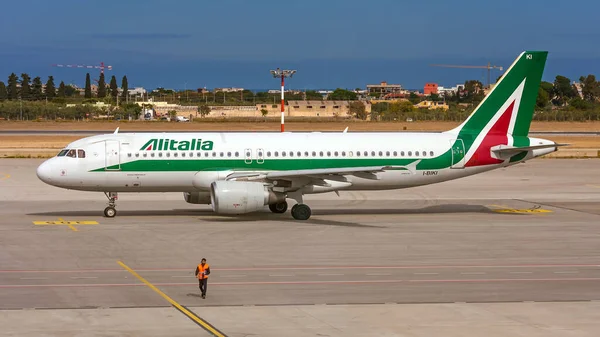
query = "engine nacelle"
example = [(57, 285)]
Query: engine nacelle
[(197, 197), (237, 197)]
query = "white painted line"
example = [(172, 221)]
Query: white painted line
[(183, 276), (330, 274), (425, 273), (281, 275), (83, 277), (34, 278), (473, 273), (566, 272), (232, 275), (376, 274), (520, 272)]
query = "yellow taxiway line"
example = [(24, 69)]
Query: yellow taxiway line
[(62, 222), (4, 176), (204, 324)]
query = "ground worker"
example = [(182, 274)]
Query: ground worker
[(202, 272)]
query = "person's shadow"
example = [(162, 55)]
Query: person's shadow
[(194, 295)]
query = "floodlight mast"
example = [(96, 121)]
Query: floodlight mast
[(283, 74)]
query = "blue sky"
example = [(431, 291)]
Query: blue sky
[(332, 43)]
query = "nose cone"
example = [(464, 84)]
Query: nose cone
[(44, 172)]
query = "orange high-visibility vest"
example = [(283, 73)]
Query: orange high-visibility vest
[(201, 270)]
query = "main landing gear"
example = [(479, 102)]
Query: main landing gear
[(300, 211), (111, 211)]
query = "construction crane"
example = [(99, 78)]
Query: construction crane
[(489, 67), (101, 66)]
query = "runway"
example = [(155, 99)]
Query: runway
[(526, 236)]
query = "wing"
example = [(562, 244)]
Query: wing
[(319, 177)]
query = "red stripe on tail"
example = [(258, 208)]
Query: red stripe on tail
[(497, 135)]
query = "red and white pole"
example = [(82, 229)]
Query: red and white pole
[(282, 104)]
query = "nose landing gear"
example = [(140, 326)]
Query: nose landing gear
[(111, 211)]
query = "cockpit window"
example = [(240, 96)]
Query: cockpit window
[(62, 153), (72, 154), (81, 153)]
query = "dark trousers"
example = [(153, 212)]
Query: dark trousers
[(203, 284)]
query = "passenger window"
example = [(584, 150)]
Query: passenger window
[(175, 154), (214, 154), (409, 153), (128, 155), (283, 153), (343, 154), (299, 154), (183, 154), (191, 154), (358, 153), (276, 154), (314, 154), (335, 153), (206, 154), (159, 154), (373, 153), (237, 154), (81, 154), (395, 154), (168, 154), (424, 153), (268, 153), (402, 153), (366, 154), (228, 154), (431, 153), (387, 153), (137, 155), (328, 154), (199, 154), (380, 153), (145, 155), (152, 154), (221, 154), (291, 153), (321, 153)]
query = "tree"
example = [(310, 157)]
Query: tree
[(12, 90), (124, 88), (25, 87), (342, 95), (357, 109), (311, 95), (3, 93), (114, 89), (204, 110), (101, 86), (542, 98), (590, 88), (88, 86), (61, 90), (414, 98), (37, 89), (70, 90), (563, 90), (50, 88)]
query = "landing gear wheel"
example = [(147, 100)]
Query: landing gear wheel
[(301, 212), (110, 212), (279, 207)]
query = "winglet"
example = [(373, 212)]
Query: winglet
[(116, 131)]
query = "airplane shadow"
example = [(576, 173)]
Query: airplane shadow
[(208, 215)]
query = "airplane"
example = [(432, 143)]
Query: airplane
[(242, 172)]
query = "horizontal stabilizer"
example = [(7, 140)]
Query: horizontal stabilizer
[(506, 151)]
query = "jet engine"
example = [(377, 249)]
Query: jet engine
[(197, 197), (237, 197)]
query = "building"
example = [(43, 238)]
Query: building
[(383, 88), (431, 105), (452, 90), (228, 89), (430, 88)]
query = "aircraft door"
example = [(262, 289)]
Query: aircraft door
[(458, 154), (112, 155), (260, 156), (248, 156)]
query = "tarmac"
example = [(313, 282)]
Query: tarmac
[(512, 252)]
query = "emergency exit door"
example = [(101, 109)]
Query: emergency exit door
[(112, 155)]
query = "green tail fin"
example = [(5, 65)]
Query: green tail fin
[(515, 94)]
